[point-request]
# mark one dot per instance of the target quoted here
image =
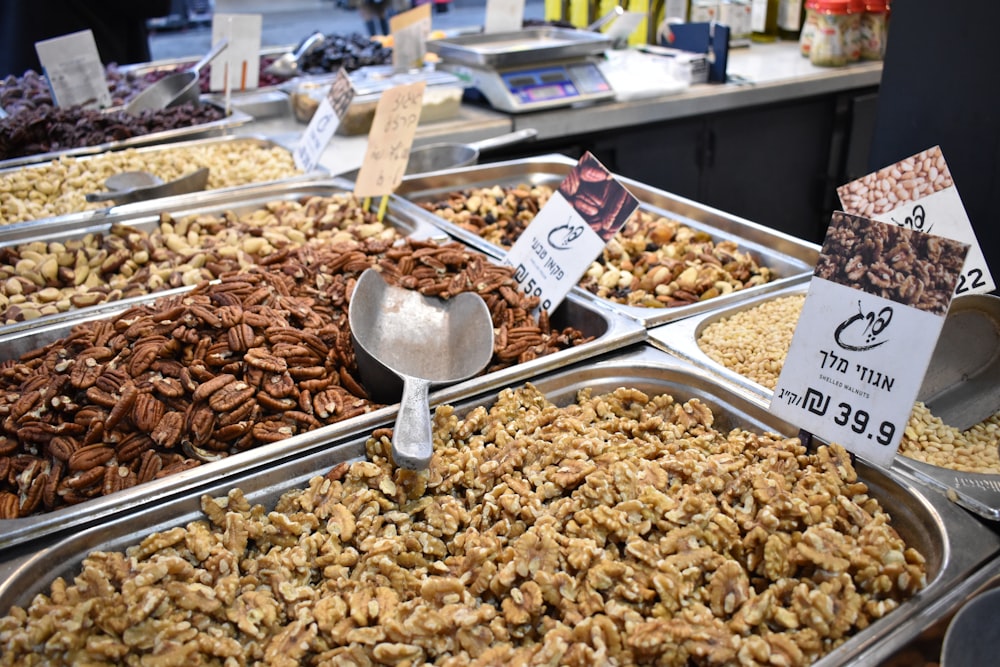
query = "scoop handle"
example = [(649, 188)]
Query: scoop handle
[(412, 441)]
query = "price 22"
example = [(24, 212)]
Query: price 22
[(970, 280), (858, 420)]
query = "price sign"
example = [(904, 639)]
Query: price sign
[(868, 328), (390, 139), (919, 193), (409, 37), (572, 228), (73, 68), (324, 122), (241, 59), (504, 16)]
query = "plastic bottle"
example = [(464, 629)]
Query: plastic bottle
[(790, 18), (874, 28)]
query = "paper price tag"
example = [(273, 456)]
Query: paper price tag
[(864, 338), (241, 59), (920, 194), (503, 16), (572, 228), (390, 139), (324, 123), (73, 68), (410, 30)]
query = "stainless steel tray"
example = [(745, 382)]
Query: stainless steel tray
[(955, 544), (30, 228), (145, 216), (530, 46), (792, 259), (977, 492), (212, 128), (610, 331)]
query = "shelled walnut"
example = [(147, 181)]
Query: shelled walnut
[(540, 535)]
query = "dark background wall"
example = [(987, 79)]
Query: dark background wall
[(940, 86)]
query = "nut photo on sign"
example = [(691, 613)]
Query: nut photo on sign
[(601, 201), (895, 263)]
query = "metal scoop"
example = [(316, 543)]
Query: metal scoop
[(176, 88), (962, 382), (400, 334), (288, 65), (133, 186)]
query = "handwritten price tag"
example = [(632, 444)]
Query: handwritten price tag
[(241, 59), (324, 122), (74, 70), (920, 194), (865, 337), (572, 228), (390, 139), (410, 30)]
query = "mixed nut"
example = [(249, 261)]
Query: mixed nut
[(652, 262), (538, 536)]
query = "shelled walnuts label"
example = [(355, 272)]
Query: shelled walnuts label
[(919, 193), (869, 325), (559, 245)]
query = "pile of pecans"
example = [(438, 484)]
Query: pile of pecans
[(652, 262), (261, 355), (540, 535)]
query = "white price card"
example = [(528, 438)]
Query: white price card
[(868, 328), (240, 62), (324, 122), (624, 26), (558, 246), (410, 30), (73, 68), (390, 140), (503, 16), (919, 193)]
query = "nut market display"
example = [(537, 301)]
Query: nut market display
[(626, 517)]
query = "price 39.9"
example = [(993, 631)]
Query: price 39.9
[(858, 420)]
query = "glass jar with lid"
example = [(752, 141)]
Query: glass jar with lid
[(829, 46), (856, 10), (874, 27)]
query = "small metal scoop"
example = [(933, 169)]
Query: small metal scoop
[(400, 334), (962, 382), (973, 635), (176, 88), (133, 186), (288, 64)]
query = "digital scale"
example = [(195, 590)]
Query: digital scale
[(529, 70)]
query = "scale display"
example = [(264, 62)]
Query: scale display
[(560, 82)]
